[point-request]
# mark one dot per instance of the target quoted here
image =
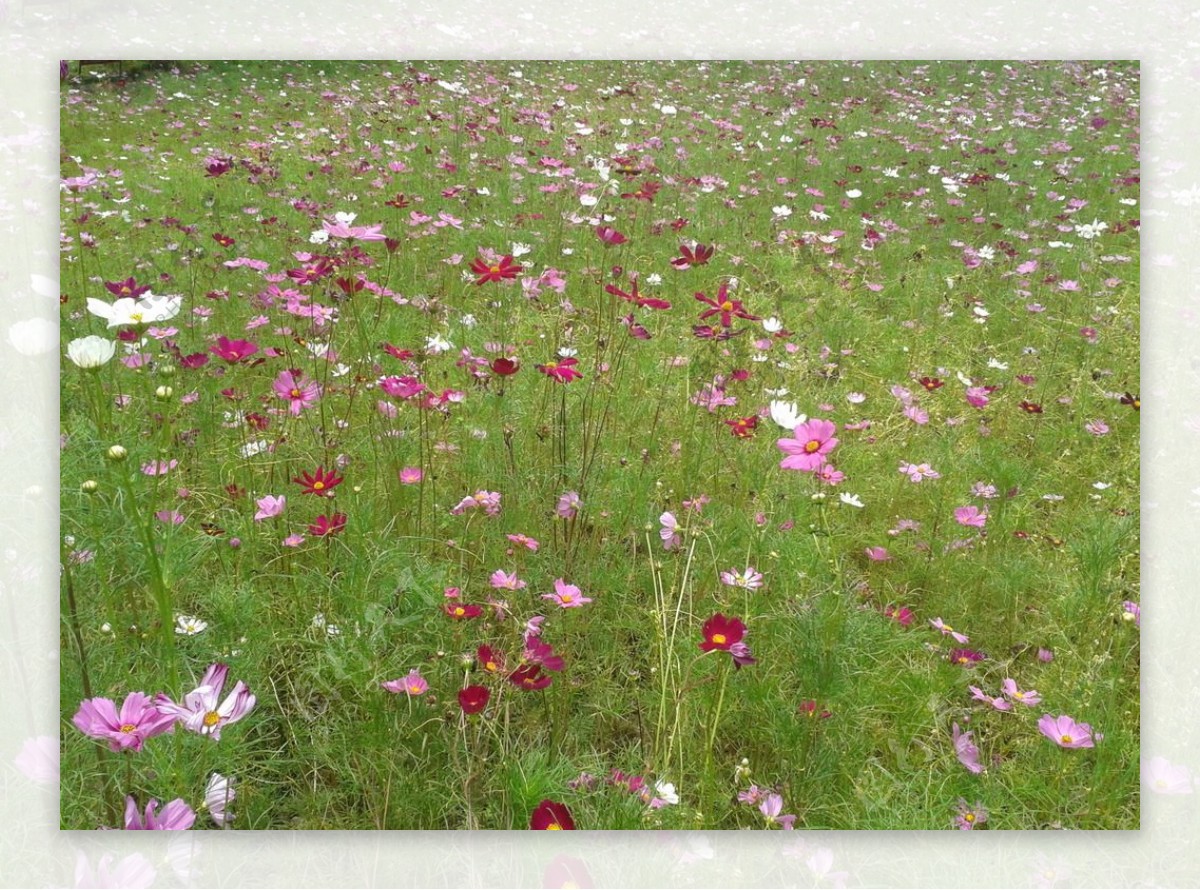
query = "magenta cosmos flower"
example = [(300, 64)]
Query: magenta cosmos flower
[(413, 684), (812, 441), (137, 721), (970, 516), (296, 390), (202, 710), (1065, 732), (966, 751), (175, 816)]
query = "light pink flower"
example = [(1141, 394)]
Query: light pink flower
[(669, 532), (269, 507), (948, 631), (502, 580), (1029, 697), (566, 595), (413, 684), (998, 703), (1066, 733), (202, 711), (970, 516), (411, 475), (966, 751)]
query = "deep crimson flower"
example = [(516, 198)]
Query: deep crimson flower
[(223, 240), (610, 236), (399, 202), (217, 166), (693, 256), (322, 483), (646, 192), (562, 370), (327, 525), (932, 383), (1031, 407), (397, 352), (127, 288), (530, 676), (490, 660), (193, 361), (505, 366), (744, 427), (311, 272), (808, 708), (233, 351), (636, 298), (462, 611), (473, 699), (708, 332), (721, 633), (551, 816), (540, 653), (723, 306), (965, 656), (506, 269)]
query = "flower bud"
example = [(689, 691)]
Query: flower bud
[(163, 393), (91, 486), (117, 453)]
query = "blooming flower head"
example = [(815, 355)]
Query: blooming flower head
[(1029, 697), (189, 625), (1065, 732), (233, 351), (562, 370), (965, 657), (786, 414), (503, 270), (969, 817), (947, 630), (296, 390), (566, 595), (669, 531), (91, 351), (322, 483), (150, 309), (413, 684), (203, 711), (138, 719), (771, 807), (568, 505), (411, 475), (1131, 611), (488, 500), (326, 526), (269, 506), (541, 653), (966, 751), (218, 795), (725, 307), (530, 677), (502, 580), (970, 516), (550, 815), (811, 441), (525, 541), (175, 816), (999, 704), (917, 472), (473, 699), (463, 611), (748, 580), (721, 633), (1163, 777)]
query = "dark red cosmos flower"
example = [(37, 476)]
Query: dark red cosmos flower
[(223, 240), (311, 272), (636, 298), (506, 269), (693, 256), (505, 366), (530, 676), (127, 288), (217, 166), (551, 816), (193, 361), (965, 656), (637, 331), (327, 525), (932, 383), (397, 352), (233, 351), (902, 614), (610, 236), (462, 611), (537, 652), (1031, 407), (399, 202), (473, 699), (322, 483), (350, 288), (725, 307), (708, 332), (490, 660), (1134, 402), (808, 708), (744, 427), (646, 192), (721, 633), (562, 370)]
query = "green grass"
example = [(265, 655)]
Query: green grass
[(325, 747)]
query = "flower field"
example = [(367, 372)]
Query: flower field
[(607, 445)]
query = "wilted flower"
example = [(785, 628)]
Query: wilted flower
[(966, 751), (218, 795)]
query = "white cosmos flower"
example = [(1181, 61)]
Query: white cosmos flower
[(850, 500), (668, 109), (786, 414), (189, 625), (126, 310), (665, 791), (319, 236), (772, 325), (519, 249), (438, 344), (588, 200), (218, 794), (782, 211)]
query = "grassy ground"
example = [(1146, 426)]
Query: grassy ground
[(900, 222)]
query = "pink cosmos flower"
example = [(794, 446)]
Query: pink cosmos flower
[(1163, 777), (175, 816), (811, 441), (413, 684), (202, 711), (501, 580), (771, 807), (339, 229), (137, 721), (1097, 427), (298, 392), (269, 507), (998, 703), (159, 467), (411, 475), (947, 630), (970, 516), (218, 795), (1065, 732), (568, 505), (566, 595), (969, 817), (828, 474), (966, 751), (293, 540), (917, 472), (525, 541), (1029, 697), (747, 580), (878, 554), (488, 500), (669, 532), (977, 396), (1131, 611), (917, 414)]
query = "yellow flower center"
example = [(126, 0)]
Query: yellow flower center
[(295, 393), (566, 597), (1066, 740), (493, 268), (550, 366), (135, 317), (554, 826), (812, 446), (719, 639), (128, 727), (491, 666), (414, 688), (212, 718), (726, 306), (318, 486), (970, 817), (460, 611)]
